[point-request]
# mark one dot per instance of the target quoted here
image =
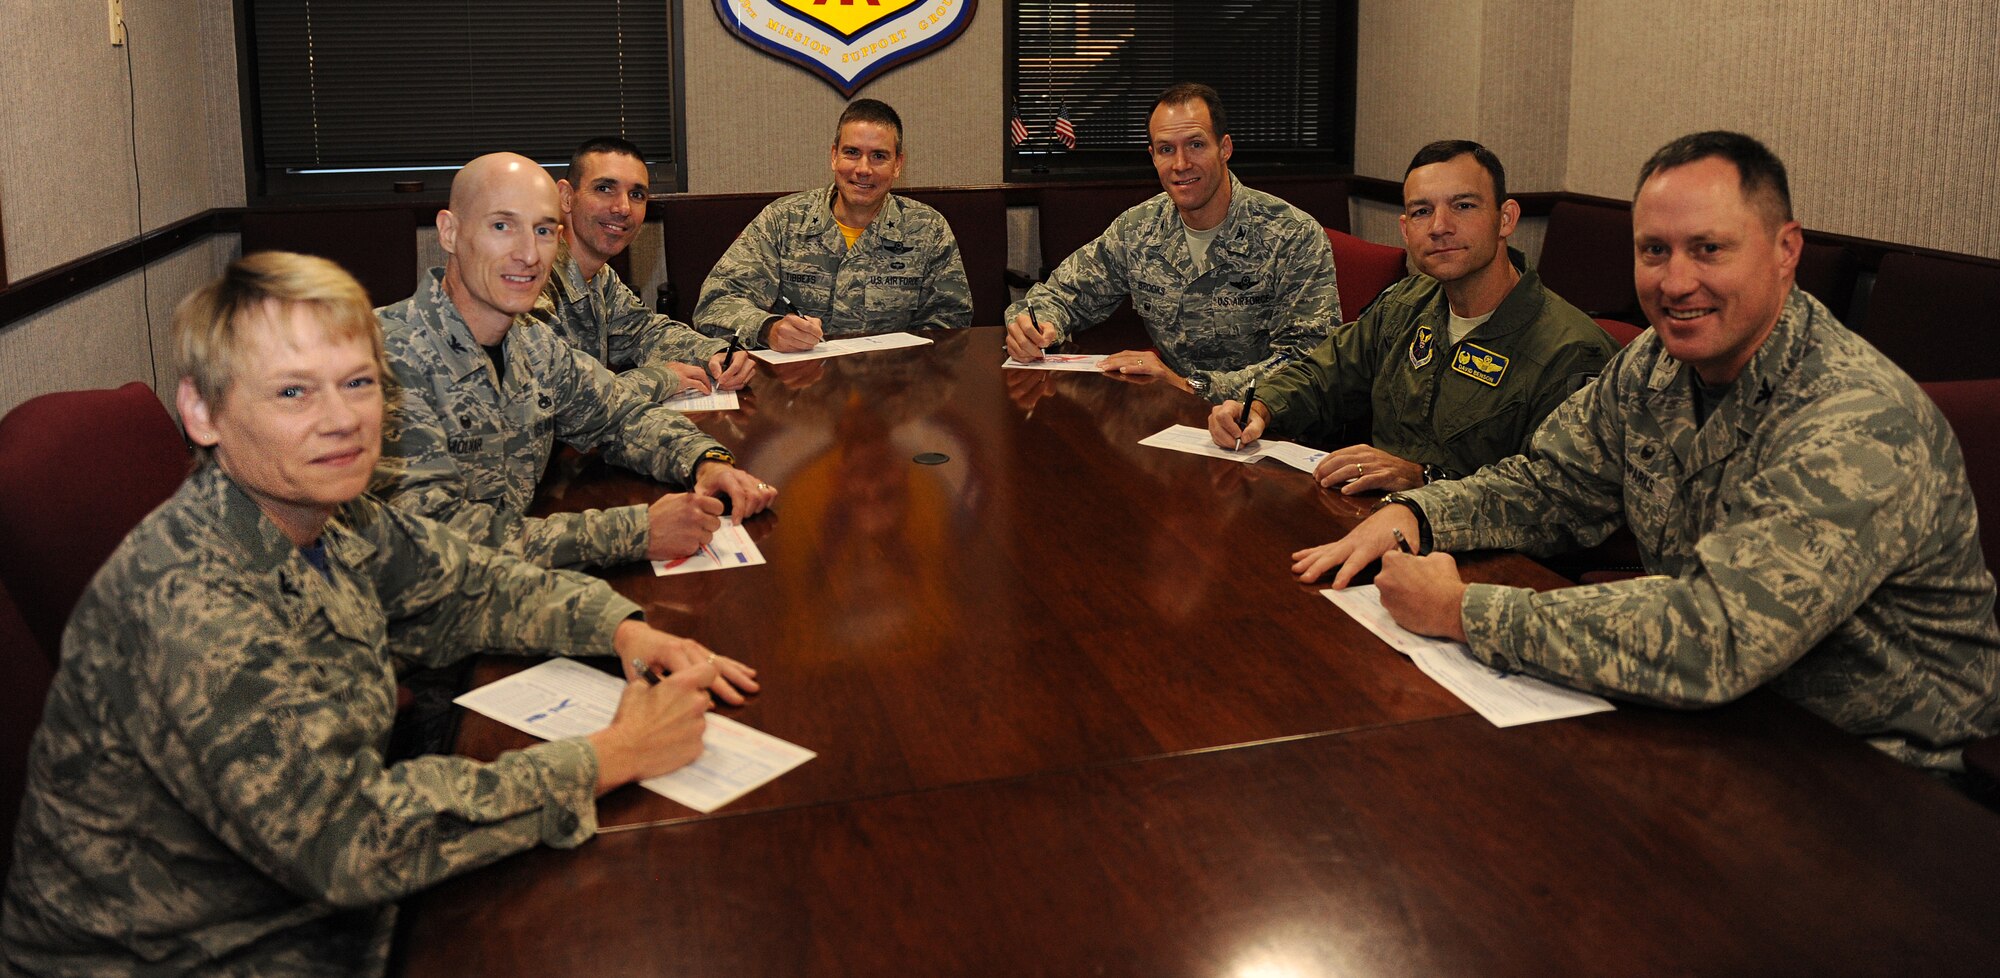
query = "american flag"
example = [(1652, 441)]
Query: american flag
[(1016, 129), (1065, 131)]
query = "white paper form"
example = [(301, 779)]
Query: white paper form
[(564, 698), (1195, 441), (694, 400), (1503, 699), (1295, 455), (730, 547), (842, 347), (1059, 361)]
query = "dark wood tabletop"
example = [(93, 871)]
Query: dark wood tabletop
[(1074, 716)]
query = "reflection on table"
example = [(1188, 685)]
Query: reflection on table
[(1074, 716)]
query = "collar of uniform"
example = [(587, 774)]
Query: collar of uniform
[(1668, 394), (1234, 234), (888, 222), (1774, 360), (265, 553), (568, 280), (265, 549), (464, 357), (1519, 307)]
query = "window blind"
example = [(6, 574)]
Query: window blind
[(1283, 68), (427, 83)]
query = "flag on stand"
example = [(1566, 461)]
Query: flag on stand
[(1065, 131), (1016, 129)]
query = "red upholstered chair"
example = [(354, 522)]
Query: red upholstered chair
[(1363, 269), (1973, 408), (1621, 331), (1934, 316), (1587, 259), (28, 675), (78, 470)]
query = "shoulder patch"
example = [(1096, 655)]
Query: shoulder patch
[(1422, 347)]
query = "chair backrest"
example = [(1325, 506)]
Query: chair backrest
[(1829, 272), (698, 229), (1072, 217), (1325, 198), (29, 673), (1587, 259), (978, 219), (1935, 316), (78, 470), (1621, 330), (377, 247), (1362, 269), (1973, 408)]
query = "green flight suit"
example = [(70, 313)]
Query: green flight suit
[(1454, 407)]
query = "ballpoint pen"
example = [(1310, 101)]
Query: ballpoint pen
[(1400, 541), (639, 666), (1244, 418)]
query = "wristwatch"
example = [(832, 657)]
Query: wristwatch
[(1199, 385)]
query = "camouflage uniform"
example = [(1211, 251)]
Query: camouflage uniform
[(1268, 295), (602, 317), (466, 449), (207, 791), (1434, 404), (1817, 535), (903, 273)]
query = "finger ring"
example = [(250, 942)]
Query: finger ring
[(763, 485), (711, 658), (1359, 469)]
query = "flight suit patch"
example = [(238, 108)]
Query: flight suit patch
[(1422, 348), (1480, 364)]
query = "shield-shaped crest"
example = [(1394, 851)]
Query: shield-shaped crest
[(848, 43)]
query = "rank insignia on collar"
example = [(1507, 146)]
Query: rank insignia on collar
[(1422, 348), (1480, 364)]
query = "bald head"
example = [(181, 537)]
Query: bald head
[(481, 177), (500, 236)]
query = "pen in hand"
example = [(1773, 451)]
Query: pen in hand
[(639, 666), (1400, 541), (1244, 418)]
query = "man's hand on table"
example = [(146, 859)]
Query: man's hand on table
[(793, 333), (1142, 365), (666, 653), (1424, 594), (1228, 432), (677, 524), (692, 377), (732, 369), (748, 496), (1026, 339), (1359, 548), (1365, 468)]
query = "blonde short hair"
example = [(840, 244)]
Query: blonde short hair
[(208, 325)]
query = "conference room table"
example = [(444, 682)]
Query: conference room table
[(1074, 716)]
